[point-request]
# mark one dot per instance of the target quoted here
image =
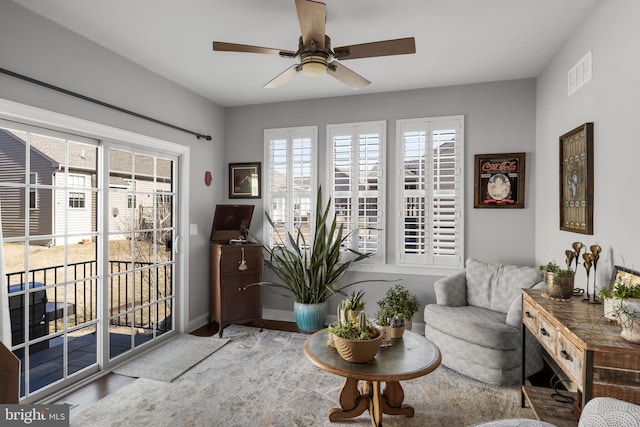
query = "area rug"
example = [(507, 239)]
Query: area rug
[(263, 379), (171, 359)]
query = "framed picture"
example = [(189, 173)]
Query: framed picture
[(499, 180), (244, 180), (624, 275), (576, 180)]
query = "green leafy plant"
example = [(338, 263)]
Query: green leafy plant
[(552, 267), (605, 293), (310, 275), (399, 302), (626, 290)]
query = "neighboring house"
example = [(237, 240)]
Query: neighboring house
[(131, 194), (46, 204), (130, 201)]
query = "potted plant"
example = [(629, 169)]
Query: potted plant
[(310, 272), (355, 339), (628, 310), (401, 304), (611, 304), (382, 321), (558, 282)]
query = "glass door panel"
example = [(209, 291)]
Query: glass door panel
[(49, 192), (141, 226)]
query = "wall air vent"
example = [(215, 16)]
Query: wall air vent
[(580, 73)]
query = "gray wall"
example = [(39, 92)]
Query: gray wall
[(499, 117), (610, 100), (43, 50)]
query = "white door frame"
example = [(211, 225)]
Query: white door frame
[(27, 114)]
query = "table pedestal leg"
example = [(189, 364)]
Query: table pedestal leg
[(392, 398), (354, 402)]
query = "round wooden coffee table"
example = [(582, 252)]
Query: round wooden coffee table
[(409, 357)]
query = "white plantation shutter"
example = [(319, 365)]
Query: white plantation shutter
[(290, 181), (355, 163), (430, 156)]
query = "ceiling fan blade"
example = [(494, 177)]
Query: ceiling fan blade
[(381, 48), (312, 16), (283, 77), (234, 47), (346, 76)]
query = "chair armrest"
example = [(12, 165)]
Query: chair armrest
[(452, 290), (514, 314)]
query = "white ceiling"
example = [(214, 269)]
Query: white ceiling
[(457, 41)]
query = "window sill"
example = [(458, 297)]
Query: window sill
[(412, 270)]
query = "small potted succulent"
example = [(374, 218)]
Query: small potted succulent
[(382, 321), (355, 338), (558, 281)]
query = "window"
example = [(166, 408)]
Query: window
[(76, 198), (430, 160), (33, 195), (355, 159), (290, 169)]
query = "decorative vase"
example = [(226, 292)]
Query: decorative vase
[(559, 286), (629, 314), (408, 324), (358, 351), (397, 327), (310, 317)]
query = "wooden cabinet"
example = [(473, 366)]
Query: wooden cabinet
[(586, 347), (234, 271)]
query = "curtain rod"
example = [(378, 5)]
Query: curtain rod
[(104, 104)]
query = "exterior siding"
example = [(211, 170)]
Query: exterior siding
[(73, 221), (12, 170)]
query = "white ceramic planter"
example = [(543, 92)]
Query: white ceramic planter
[(630, 320)]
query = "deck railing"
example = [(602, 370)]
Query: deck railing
[(131, 294)]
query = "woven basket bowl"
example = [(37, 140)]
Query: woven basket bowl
[(358, 351)]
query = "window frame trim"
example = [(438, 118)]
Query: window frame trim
[(266, 177), (459, 197), (380, 257)]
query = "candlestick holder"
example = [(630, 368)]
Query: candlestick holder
[(577, 248), (595, 250)]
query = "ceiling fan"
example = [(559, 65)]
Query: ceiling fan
[(315, 53)]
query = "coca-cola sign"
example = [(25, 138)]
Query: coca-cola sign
[(499, 180)]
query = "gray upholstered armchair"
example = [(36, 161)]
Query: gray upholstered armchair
[(476, 322)]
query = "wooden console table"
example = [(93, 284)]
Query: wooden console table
[(586, 347)]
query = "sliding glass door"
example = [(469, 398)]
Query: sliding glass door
[(88, 231)]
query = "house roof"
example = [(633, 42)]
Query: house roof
[(83, 157)]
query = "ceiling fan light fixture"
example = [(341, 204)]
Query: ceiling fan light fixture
[(314, 65)]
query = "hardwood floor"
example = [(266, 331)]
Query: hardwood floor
[(111, 382)]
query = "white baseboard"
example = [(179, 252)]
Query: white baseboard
[(284, 316), (196, 323), (280, 315)]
